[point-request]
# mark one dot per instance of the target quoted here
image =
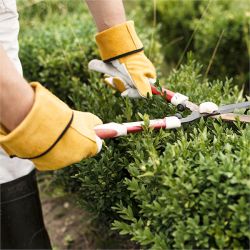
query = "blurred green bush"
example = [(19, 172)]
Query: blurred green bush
[(56, 43), (185, 188), (216, 31)]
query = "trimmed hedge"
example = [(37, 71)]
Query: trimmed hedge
[(185, 188)]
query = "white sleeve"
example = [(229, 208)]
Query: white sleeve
[(11, 168), (9, 28)]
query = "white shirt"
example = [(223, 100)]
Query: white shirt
[(11, 169)]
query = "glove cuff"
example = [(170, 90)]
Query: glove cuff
[(118, 41), (48, 115)]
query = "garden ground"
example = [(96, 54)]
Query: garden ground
[(70, 227)]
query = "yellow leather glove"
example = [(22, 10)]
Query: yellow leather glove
[(52, 135), (121, 49)]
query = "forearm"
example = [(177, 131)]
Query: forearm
[(107, 13), (16, 95)]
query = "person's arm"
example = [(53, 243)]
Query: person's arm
[(107, 13), (120, 46), (16, 95), (40, 127)]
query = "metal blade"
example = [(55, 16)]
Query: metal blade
[(192, 106), (194, 116), (222, 110), (231, 107), (232, 117)]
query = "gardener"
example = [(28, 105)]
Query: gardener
[(39, 130)]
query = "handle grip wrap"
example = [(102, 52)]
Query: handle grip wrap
[(112, 130)]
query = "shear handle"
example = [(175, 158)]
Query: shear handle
[(111, 130)]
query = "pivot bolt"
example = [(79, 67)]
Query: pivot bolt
[(178, 115), (181, 107)]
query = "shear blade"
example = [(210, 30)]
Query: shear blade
[(230, 108), (222, 112), (233, 117), (194, 116)]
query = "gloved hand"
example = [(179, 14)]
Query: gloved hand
[(122, 52), (52, 135)]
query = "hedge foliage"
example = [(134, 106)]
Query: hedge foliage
[(217, 31), (178, 189)]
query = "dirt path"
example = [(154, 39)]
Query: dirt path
[(69, 227)]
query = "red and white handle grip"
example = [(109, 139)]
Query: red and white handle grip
[(112, 130), (174, 98)]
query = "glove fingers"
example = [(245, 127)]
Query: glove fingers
[(102, 67), (116, 83), (109, 69), (132, 93), (84, 123), (127, 90), (124, 72), (139, 68), (120, 85), (109, 82), (99, 144), (152, 81), (142, 84)]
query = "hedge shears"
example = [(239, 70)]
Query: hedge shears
[(205, 109)]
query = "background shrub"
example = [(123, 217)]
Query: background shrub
[(185, 188), (55, 48), (226, 25), (216, 31)]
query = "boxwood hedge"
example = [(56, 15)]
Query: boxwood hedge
[(185, 188)]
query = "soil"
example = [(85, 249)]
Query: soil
[(70, 227)]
